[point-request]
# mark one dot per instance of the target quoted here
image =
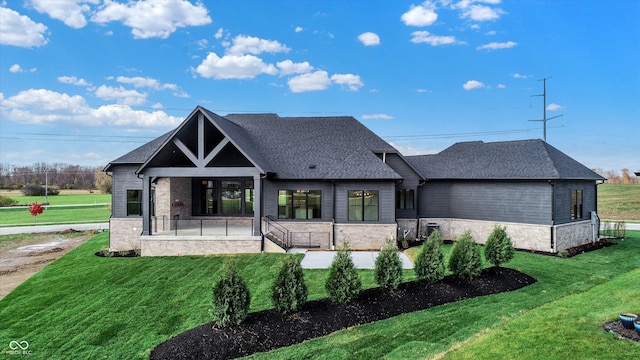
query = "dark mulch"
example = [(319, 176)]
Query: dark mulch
[(267, 330), (124, 253), (616, 327)]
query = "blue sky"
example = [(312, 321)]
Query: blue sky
[(83, 82)]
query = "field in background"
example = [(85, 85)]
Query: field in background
[(619, 201)]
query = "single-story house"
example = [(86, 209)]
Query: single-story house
[(261, 182)]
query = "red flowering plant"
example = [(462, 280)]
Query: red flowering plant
[(35, 209)]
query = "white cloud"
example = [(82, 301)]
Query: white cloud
[(40, 106), (482, 13), (299, 29), (233, 67), (520, 76), (288, 67), (253, 45), (473, 84), (502, 86), (369, 39), (423, 91), (72, 80), (433, 40), (315, 81), (150, 19), (554, 107), (16, 68), (121, 95), (497, 45), (376, 117), (420, 15), (71, 13), (20, 30), (353, 82), (219, 33), (491, 32)]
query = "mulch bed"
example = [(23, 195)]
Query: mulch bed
[(616, 327), (267, 330)]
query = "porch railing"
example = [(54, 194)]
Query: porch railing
[(279, 233), (175, 226)]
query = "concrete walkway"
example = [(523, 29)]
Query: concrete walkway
[(361, 259), (52, 228)]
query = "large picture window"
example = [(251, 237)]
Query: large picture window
[(299, 204), (363, 205), (576, 204), (134, 202), (223, 197), (404, 199)]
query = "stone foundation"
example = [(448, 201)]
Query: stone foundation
[(364, 236), (410, 226), (157, 245), (573, 234), (124, 233)]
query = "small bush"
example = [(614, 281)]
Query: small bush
[(231, 298), (7, 201), (430, 261), (465, 259), (498, 249), (343, 282), (388, 267), (289, 292), (38, 190)]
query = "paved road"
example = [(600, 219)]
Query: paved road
[(52, 228)]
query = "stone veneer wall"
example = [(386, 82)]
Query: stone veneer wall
[(157, 245), (173, 197), (573, 234), (303, 232), (410, 225), (364, 236), (524, 236), (124, 233)]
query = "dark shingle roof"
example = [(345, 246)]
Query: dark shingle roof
[(523, 159), (142, 153)]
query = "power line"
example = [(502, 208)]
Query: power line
[(457, 135)]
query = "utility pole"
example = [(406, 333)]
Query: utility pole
[(544, 108)]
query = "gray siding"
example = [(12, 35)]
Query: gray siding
[(124, 178), (411, 180), (508, 201), (562, 199), (387, 201)]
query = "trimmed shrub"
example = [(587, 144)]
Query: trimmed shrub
[(430, 261), (343, 283), (498, 249), (289, 292), (231, 298), (465, 261), (388, 267), (38, 190), (7, 201)]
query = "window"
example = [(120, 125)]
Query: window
[(404, 199), (576, 204), (223, 197), (299, 204), (363, 205), (134, 202)]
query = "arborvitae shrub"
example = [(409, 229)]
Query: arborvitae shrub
[(388, 266), (430, 261), (465, 261), (498, 249), (231, 298), (289, 292), (343, 283), (7, 201)]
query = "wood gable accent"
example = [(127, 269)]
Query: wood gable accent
[(198, 143)]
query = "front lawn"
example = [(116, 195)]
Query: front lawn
[(83, 306)]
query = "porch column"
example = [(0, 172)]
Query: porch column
[(146, 205), (257, 204)]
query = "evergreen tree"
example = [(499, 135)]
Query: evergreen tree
[(388, 267), (430, 261), (465, 261), (498, 249), (343, 283), (289, 291), (231, 298)]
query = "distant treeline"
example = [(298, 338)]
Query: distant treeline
[(62, 176), (622, 177)]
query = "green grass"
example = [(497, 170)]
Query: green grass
[(619, 202), (55, 215), (83, 306), (62, 199)]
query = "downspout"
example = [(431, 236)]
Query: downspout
[(333, 217), (554, 247)]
